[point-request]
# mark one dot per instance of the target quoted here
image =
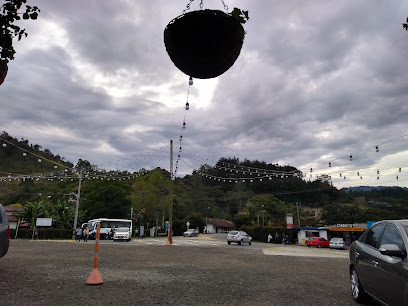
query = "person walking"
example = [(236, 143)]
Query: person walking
[(78, 233), (276, 238), (269, 238), (86, 233)]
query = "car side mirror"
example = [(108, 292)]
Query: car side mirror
[(392, 250)]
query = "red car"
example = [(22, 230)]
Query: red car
[(318, 242)]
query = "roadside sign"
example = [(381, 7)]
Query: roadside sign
[(167, 225), (43, 222), (289, 221)]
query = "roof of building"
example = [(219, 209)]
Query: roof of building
[(221, 222), (10, 211)]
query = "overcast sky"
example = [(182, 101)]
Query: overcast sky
[(315, 82)]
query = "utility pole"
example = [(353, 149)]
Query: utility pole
[(170, 234), (263, 220), (206, 222), (257, 208), (297, 207), (78, 195), (35, 214)]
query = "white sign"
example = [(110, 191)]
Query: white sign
[(289, 222), (43, 222)]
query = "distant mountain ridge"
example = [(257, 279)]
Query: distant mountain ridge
[(369, 188)]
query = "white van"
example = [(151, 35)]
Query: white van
[(106, 226)]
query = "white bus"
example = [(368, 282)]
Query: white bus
[(106, 226)]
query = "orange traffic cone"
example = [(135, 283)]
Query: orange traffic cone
[(94, 278)]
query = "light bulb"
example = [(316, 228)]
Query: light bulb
[(329, 164), (187, 106), (351, 157), (377, 149), (4, 145), (190, 81), (24, 154), (184, 125)]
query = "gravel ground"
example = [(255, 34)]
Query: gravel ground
[(55, 272)]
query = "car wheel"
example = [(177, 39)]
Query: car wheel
[(239, 242), (229, 242), (309, 246), (319, 246), (250, 242), (357, 291)]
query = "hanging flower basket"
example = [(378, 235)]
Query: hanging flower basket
[(204, 43), (3, 71)]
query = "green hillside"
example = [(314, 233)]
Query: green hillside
[(241, 191)]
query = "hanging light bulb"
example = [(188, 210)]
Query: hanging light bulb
[(311, 170), (377, 149), (361, 177), (190, 81), (344, 177), (397, 177), (358, 173), (351, 157), (39, 160), (24, 154), (340, 174), (378, 171), (329, 164), (181, 138), (4, 145), (187, 106), (399, 170), (184, 125), (378, 178)]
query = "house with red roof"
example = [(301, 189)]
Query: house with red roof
[(219, 226)]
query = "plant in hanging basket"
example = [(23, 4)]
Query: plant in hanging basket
[(205, 43), (8, 15)]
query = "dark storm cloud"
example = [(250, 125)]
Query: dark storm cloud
[(325, 78)]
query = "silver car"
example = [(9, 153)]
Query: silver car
[(338, 243), (4, 232), (379, 264), (239, 237), (191, 233)]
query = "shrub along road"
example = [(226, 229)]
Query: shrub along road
[(55, 272)]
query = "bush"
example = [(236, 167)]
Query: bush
[(43, 233)]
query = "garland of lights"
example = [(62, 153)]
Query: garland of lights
[(259, 173)]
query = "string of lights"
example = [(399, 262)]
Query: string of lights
[(183, 127)]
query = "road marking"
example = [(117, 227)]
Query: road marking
[(305, 252)]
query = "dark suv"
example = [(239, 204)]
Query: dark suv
[(4, 232), (379, 264)]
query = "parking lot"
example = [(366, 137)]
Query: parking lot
[(191, 272)]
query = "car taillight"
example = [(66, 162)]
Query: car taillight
[(8, 232), (238, 236)]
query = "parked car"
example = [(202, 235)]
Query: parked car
[(122, 233), (338, 243), (4, 232), (318, 242), (239, 237), (191, 233), (378, 264)]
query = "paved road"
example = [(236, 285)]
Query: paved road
[(199, 273), (219, 240)]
